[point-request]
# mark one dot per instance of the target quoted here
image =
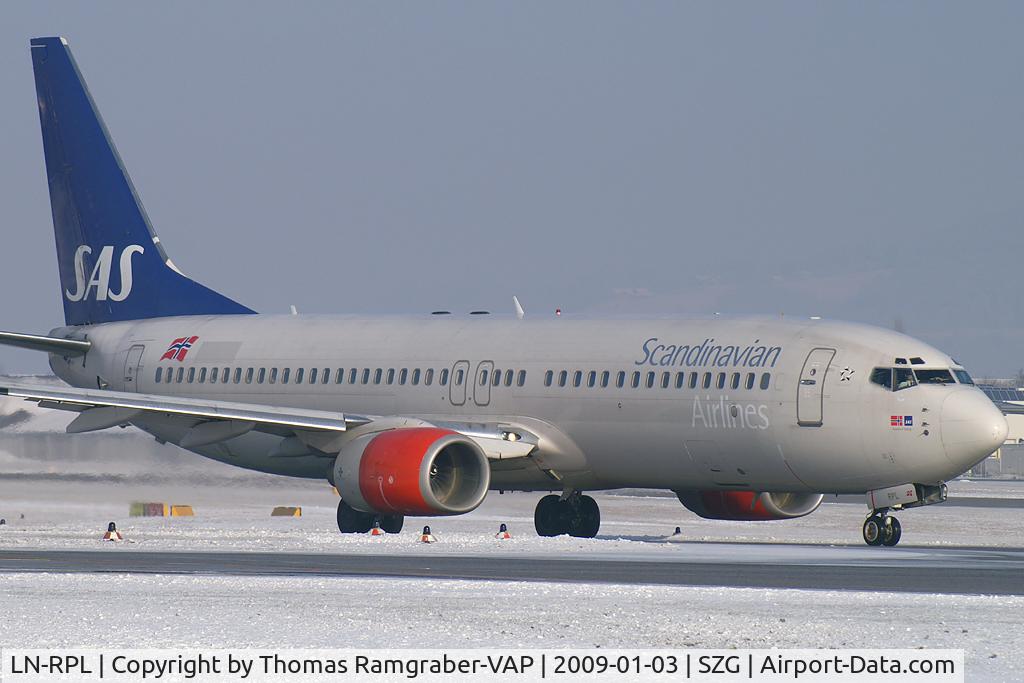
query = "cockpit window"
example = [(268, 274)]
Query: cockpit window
[(882, 377), (934, 377), (963, 377), (903, 378)]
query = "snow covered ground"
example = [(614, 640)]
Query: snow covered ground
[(157, 611)]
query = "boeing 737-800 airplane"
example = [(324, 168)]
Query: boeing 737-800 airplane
[(749, 419)]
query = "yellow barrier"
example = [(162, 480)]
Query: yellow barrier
[(148, 510), (182, 511), (281, 511)]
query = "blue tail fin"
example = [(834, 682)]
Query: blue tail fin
[(112, 265)]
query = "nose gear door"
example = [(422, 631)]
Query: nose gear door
[(811, 392)]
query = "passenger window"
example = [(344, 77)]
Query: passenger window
[(636, 379), (213, 375), (284, 375), (202, 375), (443, 379), (391, 376), (299, 374), (903, 378), (694, 378), (353, 376), (577, 378), (416, 376), (261, 375), (339, 376), (312, 375), (191, 375), (707, 380), (460, 375), (428, 377), (325, 376), (680, 379), (248, 375), (496, 378), (521, 380), (721, 380), (366, 375), (403, 375), (225, 373), (273, 375), (181, 375), (666, 379), (483, 377), (592, 379), (562, 376), (650, 379), (750, 380), (508, 378), (620, 379), (158, 375), (735, 380), (766, 380), (882, 377), (605, 376), (378, 374), (548, 376)]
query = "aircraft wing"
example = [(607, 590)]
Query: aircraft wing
[(211, 421), (102, 408)]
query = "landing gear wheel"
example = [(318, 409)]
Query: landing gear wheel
[(873, 533), (391, 524), (586, 519), (892, 531), (548, 516), (352, 521)]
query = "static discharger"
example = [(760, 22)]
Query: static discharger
[(112, 533), (283, 511), (426, 536), (503, 533), (376, 530)]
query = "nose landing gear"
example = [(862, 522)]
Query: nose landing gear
[(575, 514), (880, 528)]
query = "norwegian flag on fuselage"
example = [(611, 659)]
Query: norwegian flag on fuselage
[(179, 348)]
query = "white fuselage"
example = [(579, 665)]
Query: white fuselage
[(796, 411)]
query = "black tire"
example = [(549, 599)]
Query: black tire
[(893, 531), (873, 532), (586, 521), (391, 524), (352, 521), (548, 516)]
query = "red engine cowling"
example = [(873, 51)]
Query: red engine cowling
[(412, 471), (749, 505)]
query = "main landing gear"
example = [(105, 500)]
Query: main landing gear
[(352, 521), (881, 528), (574, 514)]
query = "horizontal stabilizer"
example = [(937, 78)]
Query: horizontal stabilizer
[(38, 342)]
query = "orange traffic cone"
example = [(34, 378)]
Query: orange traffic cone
[(503, 533), (112, 533), (376, 530), (426, 536)]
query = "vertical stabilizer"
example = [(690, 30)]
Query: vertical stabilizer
[(112, 265)]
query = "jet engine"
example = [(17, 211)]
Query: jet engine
[(749, 505), (412, 471)]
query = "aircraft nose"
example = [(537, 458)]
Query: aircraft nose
[(972, 427)]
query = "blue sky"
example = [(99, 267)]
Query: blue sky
[(860, 161)]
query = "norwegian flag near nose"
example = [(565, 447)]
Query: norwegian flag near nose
[(179, 348)]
